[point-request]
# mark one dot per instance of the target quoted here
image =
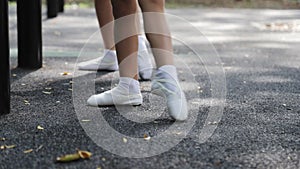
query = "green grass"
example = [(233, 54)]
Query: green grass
[(12, 3)]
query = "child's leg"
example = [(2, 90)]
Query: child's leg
[(128, 90), (162, 42), (105, 16), (165, 81), (109, 60), (126, 48), (105, 19)]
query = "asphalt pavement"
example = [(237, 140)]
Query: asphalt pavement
[(257, 51)]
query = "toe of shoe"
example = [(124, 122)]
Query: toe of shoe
[(81, 65), (87, 67), (92, 101), (178, 108)]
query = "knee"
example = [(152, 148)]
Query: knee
[(124, 7)]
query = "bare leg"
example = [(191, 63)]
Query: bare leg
[(127, 58), (105, 16), (105, 19), (161, 42), (127, 48), (165, 82), (109, 60)]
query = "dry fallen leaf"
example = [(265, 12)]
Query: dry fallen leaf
[(213, 123), (125, 140), (26, 102), (7, 147), (65, 73), (28, 151), (178, 133), (10, 146), (68, 158), (76, 156), (103, 159), (40, 127), (38, 149), (282, 26), (146, 137), (84, 154), (46, 92)]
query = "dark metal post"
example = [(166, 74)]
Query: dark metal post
[(29, 17), (4, 60), (61, 5), (52, 8)]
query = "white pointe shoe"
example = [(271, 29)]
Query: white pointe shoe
[(116, 96), (99, 64), (176, 101), (144, 65), (109, 61)]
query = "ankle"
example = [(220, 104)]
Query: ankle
[(130, 84), (110, 56), (167, 72), (109, 52), (142, 43)]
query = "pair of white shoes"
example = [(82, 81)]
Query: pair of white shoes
[(163, 84), (109, 61)]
